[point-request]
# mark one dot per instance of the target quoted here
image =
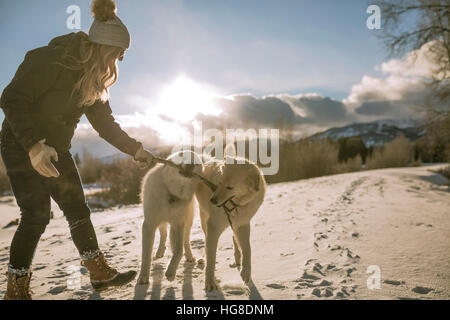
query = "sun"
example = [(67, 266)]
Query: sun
[(172, 112), (183, 99)]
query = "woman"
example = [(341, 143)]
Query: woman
[(52, 88)]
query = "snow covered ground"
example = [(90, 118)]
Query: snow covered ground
[(311, 239)]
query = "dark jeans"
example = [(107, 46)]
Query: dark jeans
[(33, 192)]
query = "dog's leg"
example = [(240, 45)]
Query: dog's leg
[(243, 239), (162, 241), (212, 239), (148, 238), (176, 240), (237, 254), (203, 221), (187, 236)]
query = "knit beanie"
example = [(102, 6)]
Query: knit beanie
[(107, 28)]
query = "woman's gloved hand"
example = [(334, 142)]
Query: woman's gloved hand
[(144, 157), (41, 155)]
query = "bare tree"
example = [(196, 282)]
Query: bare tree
[(410, 24)]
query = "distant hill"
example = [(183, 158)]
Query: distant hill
[(375, 133)]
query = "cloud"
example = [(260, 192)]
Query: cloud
[(266, 111), (246, 110), (399, 92), (374, 108), (316, 109)]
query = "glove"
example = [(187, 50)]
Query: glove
[(144, 157), (41, 155)]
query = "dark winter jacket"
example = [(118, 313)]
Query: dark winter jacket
[(38, 104)]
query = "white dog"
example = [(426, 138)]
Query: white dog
[(244, 184), (168, 198)]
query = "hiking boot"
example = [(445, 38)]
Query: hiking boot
[(103, 276), (18, 288)]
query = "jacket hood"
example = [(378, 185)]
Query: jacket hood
[(70, 43)]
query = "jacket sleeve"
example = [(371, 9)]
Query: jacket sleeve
[(100, 116), (36, 74)]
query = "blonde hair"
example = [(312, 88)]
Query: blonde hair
[(100, 71)]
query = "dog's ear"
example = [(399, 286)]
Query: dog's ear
[(253, 180)]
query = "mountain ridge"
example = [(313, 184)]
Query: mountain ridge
[(375, 133)]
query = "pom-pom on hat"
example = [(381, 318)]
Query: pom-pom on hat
[(107, 28)]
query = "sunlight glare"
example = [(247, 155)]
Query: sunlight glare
[(184, 99)]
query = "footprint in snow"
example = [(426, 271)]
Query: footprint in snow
[(235, 292), (57, 290), (39, 268), (394, 282), (275, 286), (287, 254), (328, 292), (422, 290)]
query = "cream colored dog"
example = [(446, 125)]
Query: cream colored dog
[(245, 185), (168, 198)]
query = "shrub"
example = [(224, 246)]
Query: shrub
[(434, 146), (351, 165), (444, 171), (90, 168), (351, 147), (121, 181), (397, 153), (305, 159)]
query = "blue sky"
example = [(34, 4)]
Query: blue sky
[(320, 46), (256, 47)]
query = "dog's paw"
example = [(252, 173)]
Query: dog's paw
[(235, 265), (160, 252), (170, 275), (211, 285), (143, 280), (190, 258), (159, 255), (201, 264), (246, 274)]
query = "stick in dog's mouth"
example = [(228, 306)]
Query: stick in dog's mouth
[(225, 202)]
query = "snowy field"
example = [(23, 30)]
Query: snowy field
[(311, 239)]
